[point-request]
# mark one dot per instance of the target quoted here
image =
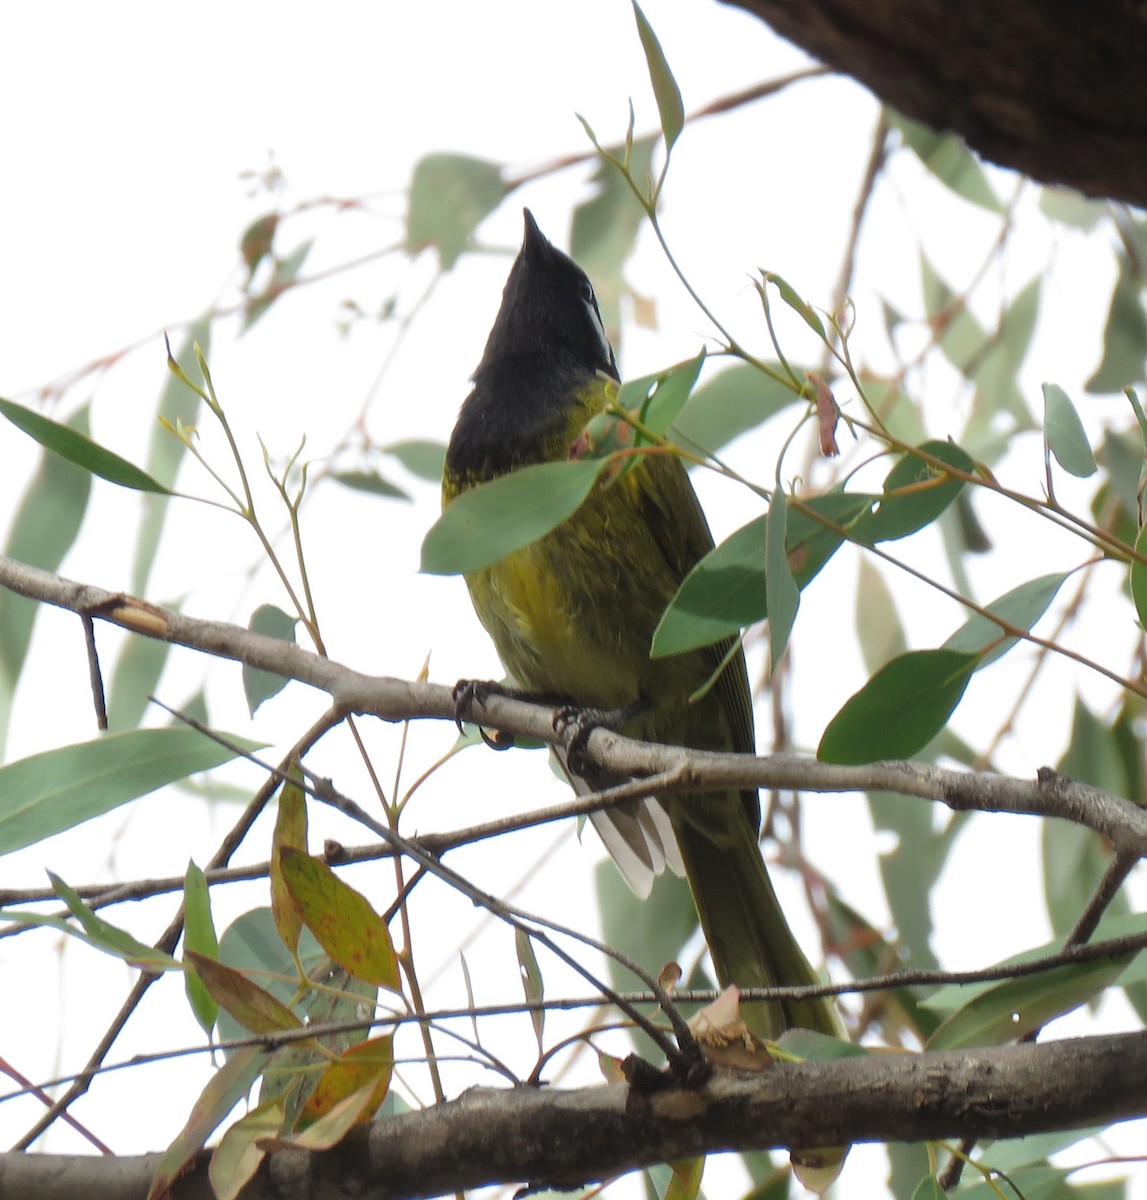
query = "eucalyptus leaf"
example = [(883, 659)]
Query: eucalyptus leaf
[(484, 524), (58, 789)]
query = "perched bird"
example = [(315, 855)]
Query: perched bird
[(573, 614)]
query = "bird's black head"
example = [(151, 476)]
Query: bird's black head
[(547, 345), (549, 310)]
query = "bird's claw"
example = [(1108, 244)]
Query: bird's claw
[(467, 693)]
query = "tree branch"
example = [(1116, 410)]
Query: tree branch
[(1050, 795), (1041, 86), (549, 1137)]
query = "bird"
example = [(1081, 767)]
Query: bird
[(572, 617)]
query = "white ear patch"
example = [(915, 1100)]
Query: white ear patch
[(590, 301)]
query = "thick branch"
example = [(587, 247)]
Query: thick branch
[(1050, 795), (555, 1138), (1052, 88)]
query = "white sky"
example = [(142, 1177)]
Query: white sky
[(126, 136)]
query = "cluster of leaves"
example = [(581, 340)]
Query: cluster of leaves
[(319, 953)]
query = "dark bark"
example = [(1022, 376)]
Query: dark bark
[(1053, 88), (559, 1138)]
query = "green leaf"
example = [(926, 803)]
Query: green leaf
[(165, 454), (665, 89), (260, 685), (255, 1008), (67, 443), (1139, 578), (878, 626), (1009, 1010), (1124, 337), (1069, 207), (484, 524), (1031, 1183), (290, 830), (199, 935), (44, 528), (251, 944), (670, 395), (725, 591), (135, 679), (108, 937), (780, 587), (532, 983), (283, 277), (226, 1088), (1022, 607), (650, 931), (946, 156), (370, 482), (1064, 433), (734, 400), (1009, 1154), (58, 789), (236, 1158), (450, 194), (811, 1046), (799, 305), (342, 919), (900, 709), (929, 1189), (1075, 859), (915, 493), (420, 457)]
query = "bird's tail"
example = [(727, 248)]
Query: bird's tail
[(747, 934)]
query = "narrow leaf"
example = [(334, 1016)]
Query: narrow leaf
[(1015, 1007), (342, 920), (733, 401), (238, 1155), (781, 589), (370, 482), (57, 789), (252, 1006), (44, 528), (82, 451), (420, 457), (1065, 433), (492, 520), (226, 1088), (260, 685), (532, 982), (1022, 607), (793, 299), (1124, 336), (946, 156), (1139, 578), (199, 935), (665, 89), (671, 394), (290, 830), (900, 709), (108, 937)]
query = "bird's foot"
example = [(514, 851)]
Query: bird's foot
[(574, 724), (470, 692)]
